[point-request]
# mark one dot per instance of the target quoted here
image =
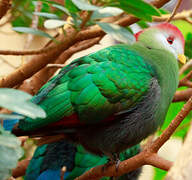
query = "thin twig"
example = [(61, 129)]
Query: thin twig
[(30, 68), (179, 16), (63, 170), (49, 139), (175, 10), (28, 52), (172, 127), (21, 168), (183, 95), (95, 31), (86, 19), (188, 20), (34, 25), (186, 81), (4, 7), (55, 65), (185, 67), (33, 84)]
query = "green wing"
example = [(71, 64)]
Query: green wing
[(104, 83)]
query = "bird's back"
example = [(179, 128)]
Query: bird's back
[(98, 86)]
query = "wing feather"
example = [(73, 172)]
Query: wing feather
[(106, 82)]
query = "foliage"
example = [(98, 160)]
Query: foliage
[(10, 153), (188, 45), (22, 105), (117, 32), (56, 15), (138, 8), (10, 150)]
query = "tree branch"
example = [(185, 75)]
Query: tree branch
[(37, 63), (158, 162), (4, 7), (33, 84), (172, 127), (183, 95), (96, 31), (21, 168), (174, 10), (179, 16), (186, 81), (186, 66)]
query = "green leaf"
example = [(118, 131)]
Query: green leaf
[(117, 32), (21, 16), (71, 7), (163, 11), (53, 23), (106, 12), (159, 174), (85, 5), (142, 6), (76, 21), (46, 15), (32, 31), (188, 45), (138, 8), (10, 153), (10, 116), (137, 13), (47, 1), (65, 10), (21, 105), (142, 24)]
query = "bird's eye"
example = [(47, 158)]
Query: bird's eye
[(170, 39)]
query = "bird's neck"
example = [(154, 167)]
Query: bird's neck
[(166, 69)]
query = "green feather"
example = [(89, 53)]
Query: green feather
[(108, 81)]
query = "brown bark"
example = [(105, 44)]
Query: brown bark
[(183, 95), (34, 83), (21, 168), (4, 7), (38, 62)]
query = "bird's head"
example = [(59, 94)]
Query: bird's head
[(163, 36)]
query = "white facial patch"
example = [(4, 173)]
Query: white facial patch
[(175, 48)]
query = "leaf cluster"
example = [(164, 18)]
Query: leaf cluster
[(53, 15), (10, 153)]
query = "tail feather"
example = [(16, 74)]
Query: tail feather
[(9, 124)]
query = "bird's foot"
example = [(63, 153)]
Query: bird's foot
[(117, 162), (113, 160)]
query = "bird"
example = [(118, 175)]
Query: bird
[(112, 99), (49, 159)]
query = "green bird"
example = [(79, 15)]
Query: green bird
[(49, 159), (112, 99)]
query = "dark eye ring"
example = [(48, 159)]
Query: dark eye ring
[(170, 40)]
